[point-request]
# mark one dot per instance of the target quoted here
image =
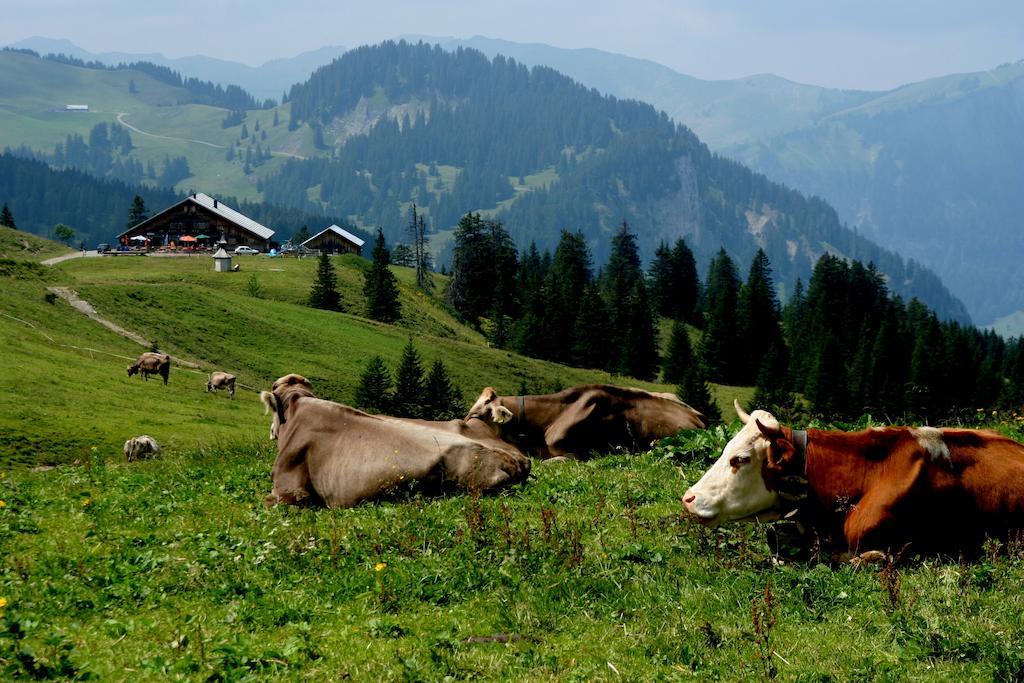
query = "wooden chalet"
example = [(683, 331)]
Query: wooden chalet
[(335, 240), (196, 223)]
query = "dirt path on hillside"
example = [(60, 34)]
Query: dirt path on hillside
[(84, 306), (120, 119), (64, 257)]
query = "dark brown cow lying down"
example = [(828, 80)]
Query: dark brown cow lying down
[(151, 363), (330, 453), (575, 422), (940, 490)]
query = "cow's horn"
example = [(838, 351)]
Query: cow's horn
[(769, 432), (744, 417)]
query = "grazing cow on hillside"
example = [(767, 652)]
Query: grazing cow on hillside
[(575, 422), (339, 456), (151, 363), (221, 380), (939, 490), (140, 447)]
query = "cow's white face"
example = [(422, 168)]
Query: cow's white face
[(488, 409), (735, 487)]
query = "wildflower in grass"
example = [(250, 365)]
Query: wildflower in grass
[(3, 504), (87, 502), (3, 603), (380, 566)]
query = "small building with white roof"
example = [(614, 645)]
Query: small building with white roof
[(335, 240)]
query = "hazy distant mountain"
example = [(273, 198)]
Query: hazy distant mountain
[(721, 113), (457, 132), (933, 170), (268, 80)]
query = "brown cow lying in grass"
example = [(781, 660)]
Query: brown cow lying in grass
[(590, 418), (151, 363), (339, 456), (869, 492)]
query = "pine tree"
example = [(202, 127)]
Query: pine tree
[(7, 218), (695, 392), (325, 288), (301, 236), (590, 347), (772, 392), (678, 357), (374, 391), (418, 232), (566, 280), (442, 401), (137, 213), (380, 287), (639, 357), (409, 396), (759, 319), (277, 119), (720, 350)]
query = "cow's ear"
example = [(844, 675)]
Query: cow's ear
[(780, 453)]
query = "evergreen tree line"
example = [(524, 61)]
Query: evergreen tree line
[(412, 393), (200, 92), (494, 121), (106, 155), (845, 345)]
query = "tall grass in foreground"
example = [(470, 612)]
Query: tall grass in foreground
[(172, 569)]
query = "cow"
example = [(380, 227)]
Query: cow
[(140, 447), (868, 493), (221, 380), (577, 421), (334, 455), (151, 363)]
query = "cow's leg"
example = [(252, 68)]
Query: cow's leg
[(870, 525)]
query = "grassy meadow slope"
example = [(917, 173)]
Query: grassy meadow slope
[(33, 93), (171, 569), (17, 244), (57, 402)]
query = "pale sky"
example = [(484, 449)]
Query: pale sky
[(869, 44)]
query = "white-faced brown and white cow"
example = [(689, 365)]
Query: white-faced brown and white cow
[(939, 490), (151, 363), (221, 380), (339, 456), (591, 418)]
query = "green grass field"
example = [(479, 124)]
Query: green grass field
[(171, 569), (59, 401)]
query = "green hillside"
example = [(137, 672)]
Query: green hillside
[(59, 401), (17, 244), (567, 158), (34, 92)]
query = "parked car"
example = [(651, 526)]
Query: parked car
[(243, 249), (102, 248)]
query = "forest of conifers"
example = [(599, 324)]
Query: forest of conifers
[(841, 347)]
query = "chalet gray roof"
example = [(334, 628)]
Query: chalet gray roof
[(340, 231), (219, 208)]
